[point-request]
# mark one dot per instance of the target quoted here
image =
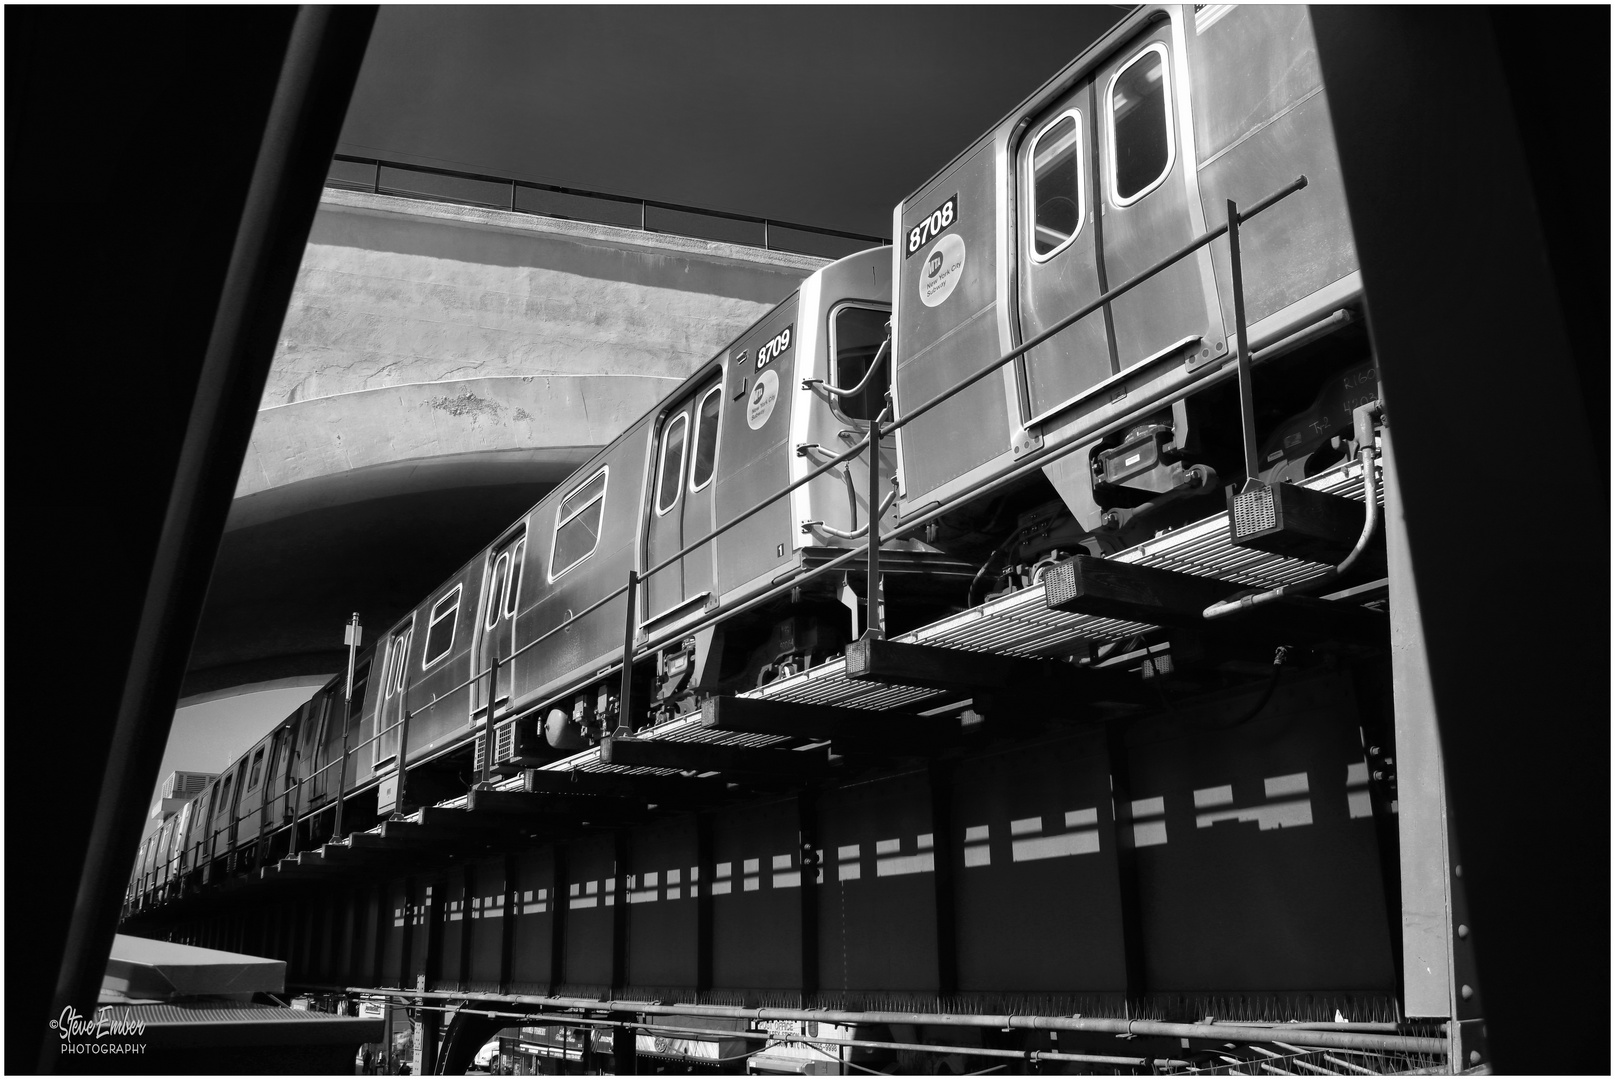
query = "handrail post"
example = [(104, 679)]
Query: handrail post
[(353, 634), (625, 695), (377, 186), (765, 236), (487, 723), (1247, 399), (297, 812), (403, 772), (874, 622), (513, 195)]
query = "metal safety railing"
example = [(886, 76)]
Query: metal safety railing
[(870, 548), (1351, 1038), (763, 232)]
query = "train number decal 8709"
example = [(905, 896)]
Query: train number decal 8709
[(775, 348), (931, 226)]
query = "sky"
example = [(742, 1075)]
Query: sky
[(824, 116)]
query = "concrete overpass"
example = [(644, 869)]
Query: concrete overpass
[(440, 368)]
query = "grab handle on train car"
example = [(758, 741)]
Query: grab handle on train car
[(863, 384)]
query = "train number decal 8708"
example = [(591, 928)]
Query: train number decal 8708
[(931, 226)]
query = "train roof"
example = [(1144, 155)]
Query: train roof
[(1085, 62)]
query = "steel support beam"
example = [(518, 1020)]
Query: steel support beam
[(704, 757), (679, 790), (1089, 586), (763, 717), (528, 805), (965, 672), (1411, 93)]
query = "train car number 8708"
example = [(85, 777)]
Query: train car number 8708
[(931, 226)]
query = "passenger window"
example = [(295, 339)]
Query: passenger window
[(514, 585), (856, 334), (496, 590), (1057, 202), (670, 476), (706, 439), (1140, 125), (440, 631), (257, 768), (577, 524)]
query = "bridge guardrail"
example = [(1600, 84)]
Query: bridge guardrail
[(577, 204)]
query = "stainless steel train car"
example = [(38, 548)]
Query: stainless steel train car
[(540, 613), (1124, 157), (1124, 426)]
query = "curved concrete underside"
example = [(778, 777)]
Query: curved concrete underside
[(441, 368)]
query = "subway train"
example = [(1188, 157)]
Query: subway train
[(717, 539)]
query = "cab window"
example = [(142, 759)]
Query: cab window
[(1140, 117), (856, 334)]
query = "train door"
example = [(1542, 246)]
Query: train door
[(857, 331), (279, 778), (1059, 270), (165, 845), (182, 832), (252, 795), (322, 773), (201, 823), (681, 502), (223, 813), (390, 709), (497, 632), (1150, 204), (354, 713)]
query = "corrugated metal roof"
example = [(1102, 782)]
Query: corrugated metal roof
[(144, 969)]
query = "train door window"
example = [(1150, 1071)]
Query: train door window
[(221, 812), (440, 630), (1140, 120), (1058, 209), (856, 334), (496, 588), (402, 668), (257, 770), (577, 524), (705, 456), (397, 653), (670, 474), (513, 583)]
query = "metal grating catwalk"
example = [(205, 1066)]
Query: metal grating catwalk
[(1017, 624)]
